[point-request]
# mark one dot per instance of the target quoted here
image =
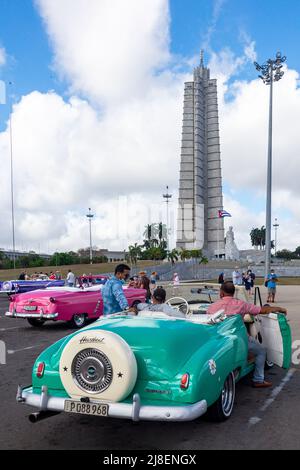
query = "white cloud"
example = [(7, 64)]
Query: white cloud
[(69, 155), (217, 7), (119, 132), (108, 50)]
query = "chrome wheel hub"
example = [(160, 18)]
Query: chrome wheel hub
[(228, 394), (79, 319), (92, 371)]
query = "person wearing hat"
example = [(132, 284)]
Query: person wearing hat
[(158, 304)]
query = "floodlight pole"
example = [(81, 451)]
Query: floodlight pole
[(90, 216), (269, 181), (167, 196), (270, 72), (12, 182)]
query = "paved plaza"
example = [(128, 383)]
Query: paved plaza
[(262, 419)]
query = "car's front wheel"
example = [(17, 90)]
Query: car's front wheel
[(223, 407), (78, 320), (36, 322)]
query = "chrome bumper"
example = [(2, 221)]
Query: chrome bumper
[(134, 411), (44, 316)]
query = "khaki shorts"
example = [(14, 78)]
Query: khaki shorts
[(272, 290)]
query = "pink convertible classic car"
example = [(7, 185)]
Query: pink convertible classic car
[(70, 304)]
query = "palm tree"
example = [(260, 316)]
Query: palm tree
[(148, 232), (135, 252), (173, 255), (185, 254), (151, 231), (258, 237), (162, 231)]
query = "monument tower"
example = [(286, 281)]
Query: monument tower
[(200, 185)]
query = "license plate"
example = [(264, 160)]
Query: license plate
[(30, 308), (86, 408)]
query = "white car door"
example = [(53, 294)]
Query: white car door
[(275, 336)]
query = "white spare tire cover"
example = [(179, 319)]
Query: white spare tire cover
[(98, 364)]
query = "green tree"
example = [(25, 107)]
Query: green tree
[(184, 254), (154, 253), (134, 253), (258, 237), (297, 252), (162, 231), (285, 254), (173, 255), (64, 258)]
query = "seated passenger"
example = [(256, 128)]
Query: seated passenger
[(158, 304), (232, 306)]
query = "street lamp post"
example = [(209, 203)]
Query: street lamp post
[(270, 72), (90, 217), (12, 182), (276, 225), (167, 196)]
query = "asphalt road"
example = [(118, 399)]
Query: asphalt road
[(262, 419)]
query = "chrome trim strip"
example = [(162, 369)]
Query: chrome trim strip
[(48, 316), (134, 411)]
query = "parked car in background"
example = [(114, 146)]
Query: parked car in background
[(92, 280), (71, 304), (16, 286)]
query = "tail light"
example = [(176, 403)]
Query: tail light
[(52, 299), (12, 298), (40, 370), (185, 381)]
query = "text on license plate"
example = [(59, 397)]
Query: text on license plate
[(30, 307), (86, 408)]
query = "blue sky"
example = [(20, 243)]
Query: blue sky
[(28, 35), (273, 24), (29, 54)]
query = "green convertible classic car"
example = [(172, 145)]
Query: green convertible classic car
[(152, 366)]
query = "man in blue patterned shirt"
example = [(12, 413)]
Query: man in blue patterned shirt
[(114, 299)]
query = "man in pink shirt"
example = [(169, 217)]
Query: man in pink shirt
[(232, 306)]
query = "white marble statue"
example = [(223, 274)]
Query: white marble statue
[(231, 250)]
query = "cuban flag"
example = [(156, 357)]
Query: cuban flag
[(223, 214)]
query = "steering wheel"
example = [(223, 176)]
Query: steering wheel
[(183, 307)]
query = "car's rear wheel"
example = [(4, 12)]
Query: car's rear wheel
[(222, 408), (36, 322), (269, 365), (78, 320)]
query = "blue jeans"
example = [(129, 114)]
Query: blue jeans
[(260, 353)]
